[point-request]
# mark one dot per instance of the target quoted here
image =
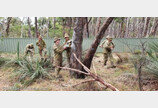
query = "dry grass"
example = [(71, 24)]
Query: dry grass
[(123, 77)]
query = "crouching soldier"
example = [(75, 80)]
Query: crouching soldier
[(30, 50), (108, 46), (58, 50), (41, 47), (68, 43)]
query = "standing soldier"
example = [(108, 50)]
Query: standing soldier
[(30, 50), (108, 46), (68, 43), (41, 47), (58, 50)]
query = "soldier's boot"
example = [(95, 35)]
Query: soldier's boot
[(59, 77), (105, 59), (112, 65), (105, 62)]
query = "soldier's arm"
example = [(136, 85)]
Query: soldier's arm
[(113, 46), (59, 49), (101, 45), (44, 44), (37, 43)]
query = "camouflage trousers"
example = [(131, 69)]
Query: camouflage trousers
[(43, 52), (57, 62), (30, 54), (108, 55)]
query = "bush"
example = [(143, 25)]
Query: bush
[(153, 59), (29, 72)]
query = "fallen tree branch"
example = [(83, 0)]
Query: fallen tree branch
[(97, 78), (96, 74), (91, 80), (66, 68), (89, 73)]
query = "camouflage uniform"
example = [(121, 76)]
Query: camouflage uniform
[(58, 50), (42, 47), (107, 51), (29, 50), (68, 49)]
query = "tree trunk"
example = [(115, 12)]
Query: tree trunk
[(54, 25), (8, 25), (76, 46), (29, 30), (48, 27), (36, 27), (146, 26), (98, 25), (90, 53), (154, 29), (63, 25)]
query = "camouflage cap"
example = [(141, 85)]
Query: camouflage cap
[(66, 35), (56, 38), (31, 44), (109, 37)]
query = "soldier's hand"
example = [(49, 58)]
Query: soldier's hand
[(100, 46), (65, 47)]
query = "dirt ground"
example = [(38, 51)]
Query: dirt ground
[(122, 77)]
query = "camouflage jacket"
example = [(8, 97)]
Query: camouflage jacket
[(41, 44), (107, 46), (29, 48), (58, 50)]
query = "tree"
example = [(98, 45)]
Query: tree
[(146, 26), (86, 28), (8, 25), (90, 53), (154, 29), (36, 27), (29, 28), (76, 47)]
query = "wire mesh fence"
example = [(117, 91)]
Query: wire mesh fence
[(121, 44)]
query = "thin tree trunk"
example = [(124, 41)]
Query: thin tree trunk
[(29, 30), (63, 24), (90, 53), (36, 27), (54, 25), (154, 29), (48, 28), (8, 26), (146, 26), (76, 46), (98, 25)]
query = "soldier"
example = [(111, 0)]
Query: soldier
[(68, 43), (58, 50), (41, 47), (30, 50), (108, 46)]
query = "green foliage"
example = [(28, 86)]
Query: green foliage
[(153, 59), (18, 51), (17, 61), (29, 72)]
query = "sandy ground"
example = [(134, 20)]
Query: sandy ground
[(122, 77)]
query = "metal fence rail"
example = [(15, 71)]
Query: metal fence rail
[(121, 44)]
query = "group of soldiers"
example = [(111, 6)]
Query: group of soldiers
[(59, 48), (30, 49)]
